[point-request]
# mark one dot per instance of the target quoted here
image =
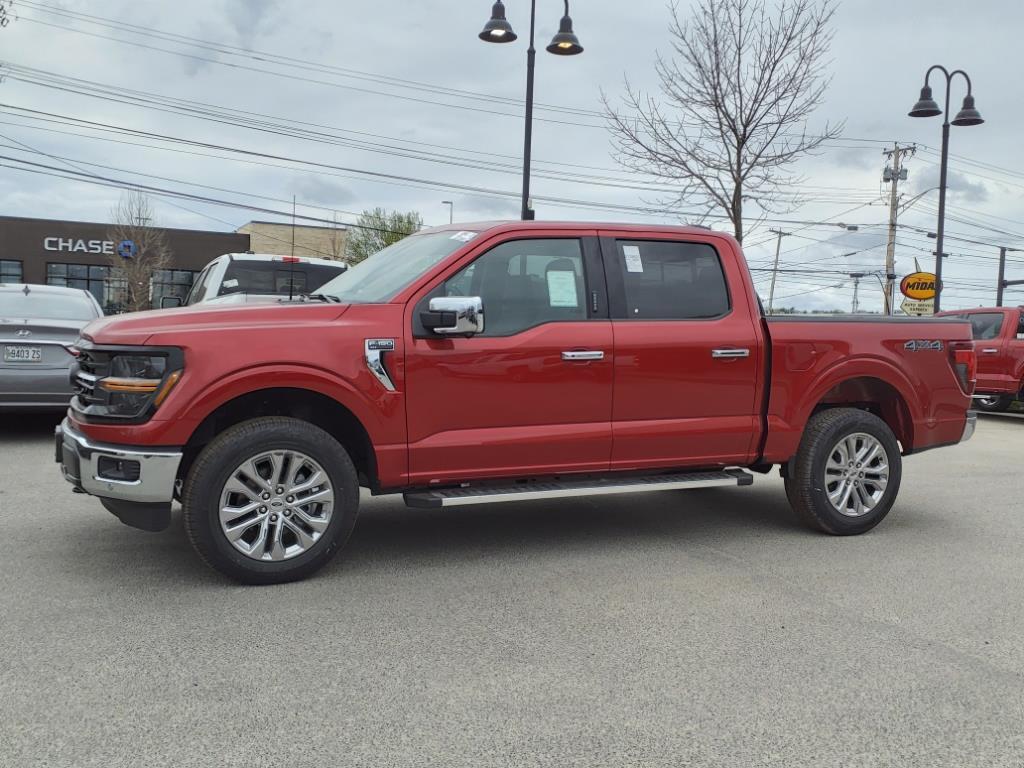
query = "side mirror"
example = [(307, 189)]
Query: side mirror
[(170, 301), (454, 316)]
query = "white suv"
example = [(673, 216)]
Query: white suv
[(238, 278)]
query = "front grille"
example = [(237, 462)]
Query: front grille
[(89, 368)]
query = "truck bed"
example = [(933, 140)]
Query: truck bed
[(906, 360)]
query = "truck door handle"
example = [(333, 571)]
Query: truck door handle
[(990, 351), (588, 354), (728, 354)]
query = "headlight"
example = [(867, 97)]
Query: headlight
[(124, 383)]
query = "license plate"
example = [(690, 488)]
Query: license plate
[(23, 354)]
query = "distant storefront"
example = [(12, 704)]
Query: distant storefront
[(82, 254)]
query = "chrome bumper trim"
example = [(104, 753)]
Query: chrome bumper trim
[(79, 458), (969, 426)]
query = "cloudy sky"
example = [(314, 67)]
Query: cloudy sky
[(399, 105)]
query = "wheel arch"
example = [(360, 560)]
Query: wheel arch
[(296, 402), (873, 394)]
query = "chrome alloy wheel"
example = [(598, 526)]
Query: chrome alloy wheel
[(856, 474), (276, 505), (989, 401)]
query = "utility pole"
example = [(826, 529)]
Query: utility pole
[(775, 269), (856, 290), (894, 174), (1003, 282)]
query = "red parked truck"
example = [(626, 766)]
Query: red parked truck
[(999, 343), (501, 362)]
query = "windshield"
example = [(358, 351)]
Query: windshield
[(48, 306), (380, 278)]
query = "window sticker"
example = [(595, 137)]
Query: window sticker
[(632, 256), (463, 236), (562, 289)]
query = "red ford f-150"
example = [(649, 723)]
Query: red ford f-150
[(999, 344), (500, 362)]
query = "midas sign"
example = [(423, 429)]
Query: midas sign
[(919, 286)]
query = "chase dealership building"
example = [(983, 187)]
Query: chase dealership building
[(79, 254)]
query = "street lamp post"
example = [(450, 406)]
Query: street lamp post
[(968, 115), (565, 43), (451, 210)]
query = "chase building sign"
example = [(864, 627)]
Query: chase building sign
[(71, 245)]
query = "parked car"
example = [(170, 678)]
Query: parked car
[(38, 326), (999, 342), (241, 278), (494, 363)]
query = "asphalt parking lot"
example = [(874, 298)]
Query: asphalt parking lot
[(685, 628)]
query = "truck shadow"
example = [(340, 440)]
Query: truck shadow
[(1007, 416), (390, 538), (390, 535), (21, 426)]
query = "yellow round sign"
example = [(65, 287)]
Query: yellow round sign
[(918, 285)]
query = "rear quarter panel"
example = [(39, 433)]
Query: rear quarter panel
[(811, 356)]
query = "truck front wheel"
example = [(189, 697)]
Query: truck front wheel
[(270, 500), (846, 472)]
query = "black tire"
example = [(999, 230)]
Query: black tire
[(806, 484), (993, 403), (217, 462)]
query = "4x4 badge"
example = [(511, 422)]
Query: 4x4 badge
[(915, 345)]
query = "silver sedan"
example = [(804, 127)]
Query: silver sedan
[(38, 326)]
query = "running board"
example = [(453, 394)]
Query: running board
[(453, 497)]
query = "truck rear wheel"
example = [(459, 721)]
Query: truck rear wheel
[(270, 500), (846, 472), (994, 403)]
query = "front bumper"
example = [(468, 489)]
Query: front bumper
[(79, 460), (969, 426)]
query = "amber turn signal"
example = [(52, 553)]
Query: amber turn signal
[(165, 390)]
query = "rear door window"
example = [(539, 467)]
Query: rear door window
[(666, 280)]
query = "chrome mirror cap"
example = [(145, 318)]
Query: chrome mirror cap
[(455, 315)]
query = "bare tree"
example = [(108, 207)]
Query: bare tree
[(738, 92), (140, 248)]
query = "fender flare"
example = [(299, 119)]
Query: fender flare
[(288, 376), (860, 368)]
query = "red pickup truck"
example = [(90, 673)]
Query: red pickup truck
[(999, 343), (500, 362)]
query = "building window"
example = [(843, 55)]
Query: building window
[(171, 282), (109, 292), (10, 271)]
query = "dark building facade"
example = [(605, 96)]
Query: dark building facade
[(83, 254)]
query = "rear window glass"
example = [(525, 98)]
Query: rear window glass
[(672, 281), (274, 277), (52, 306)]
